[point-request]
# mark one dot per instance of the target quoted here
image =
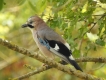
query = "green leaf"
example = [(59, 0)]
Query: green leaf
[(32, 6), (104, 32), (1, 4), (20, 2), (100, 42), (38, 6), (84, 9), (76, 53)]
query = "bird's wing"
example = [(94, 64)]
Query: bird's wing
[(50, 35), (56, 45)]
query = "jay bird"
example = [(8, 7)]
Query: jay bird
[(49, 42)]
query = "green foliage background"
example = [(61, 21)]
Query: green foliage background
[(81, 22)]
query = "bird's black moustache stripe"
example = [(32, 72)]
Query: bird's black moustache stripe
[(30, 26)]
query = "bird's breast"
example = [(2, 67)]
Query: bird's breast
[(42, 48)]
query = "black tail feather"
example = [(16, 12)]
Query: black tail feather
[(73, 62)]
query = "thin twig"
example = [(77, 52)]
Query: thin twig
[(99, 14), (94, 24), (38, 70), (80, 45), (91, 59)]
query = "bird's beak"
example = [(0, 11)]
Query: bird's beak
[(24, 25)]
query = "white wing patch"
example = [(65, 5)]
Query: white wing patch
[(59, 54), (71, 57), (67, 45), (56, 47)]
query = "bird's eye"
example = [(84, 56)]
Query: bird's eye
[(30, 22)]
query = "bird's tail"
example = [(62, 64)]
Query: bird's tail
[(74, 63)]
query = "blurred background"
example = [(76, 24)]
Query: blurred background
[(81, 22)]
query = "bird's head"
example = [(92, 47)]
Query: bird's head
[(33, 22)]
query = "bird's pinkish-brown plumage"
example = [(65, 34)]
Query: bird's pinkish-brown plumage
[(43, 49), (37, 22), (43, 32), (49, 42), (41, 26)]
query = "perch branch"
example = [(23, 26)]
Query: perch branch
[(49, 62)]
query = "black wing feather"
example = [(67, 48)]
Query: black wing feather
[(62, 48), (64, 51)]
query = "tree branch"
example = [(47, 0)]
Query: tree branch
[(95, 23), (44, 68), (38, 70), (89, 59), (49, 62)]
